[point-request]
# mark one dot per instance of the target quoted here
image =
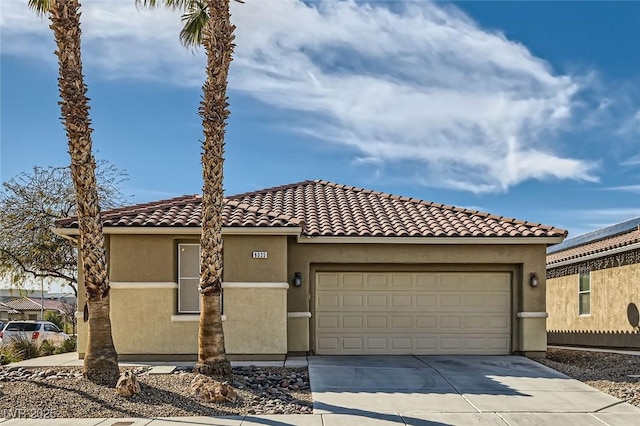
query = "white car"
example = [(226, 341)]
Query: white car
[(38, 331)]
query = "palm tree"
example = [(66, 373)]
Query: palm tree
[(101, 359), (207, 22)]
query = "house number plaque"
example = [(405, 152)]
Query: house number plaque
[(259, 255)]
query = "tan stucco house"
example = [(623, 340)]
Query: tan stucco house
[(25, 308), (593, 288), (317, 267)]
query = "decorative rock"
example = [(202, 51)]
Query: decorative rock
[(127, 384), (206, 389)]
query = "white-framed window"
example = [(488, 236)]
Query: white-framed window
[(188, 278), (584, 292)]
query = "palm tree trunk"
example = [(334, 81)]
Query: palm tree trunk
[(100, 362), (217, 39)]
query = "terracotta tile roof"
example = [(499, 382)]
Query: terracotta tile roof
[(27, 304), (7, 309), (323, 208), (594, 247), (23, 304), (330, 209), (186, 211)]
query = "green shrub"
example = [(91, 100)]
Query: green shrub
[(25, 347), (67, 346), (8, 355), (54, 318), (47, 348)]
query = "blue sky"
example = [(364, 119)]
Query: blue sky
[(523, 109)]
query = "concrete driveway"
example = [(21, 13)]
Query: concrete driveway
[(465, 390)]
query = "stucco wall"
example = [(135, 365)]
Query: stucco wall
[(143, 270), (145, 258), (153, 259), (256, 319), (612, 290), (239, 266), (137, 330)]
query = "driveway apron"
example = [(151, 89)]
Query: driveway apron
[(459, 389)]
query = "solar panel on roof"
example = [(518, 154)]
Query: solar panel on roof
[(599, 234)]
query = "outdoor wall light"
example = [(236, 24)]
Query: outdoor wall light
[(533, 279), (297, 279)]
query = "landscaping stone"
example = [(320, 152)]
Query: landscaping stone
[(127, 384), (161, 395), (206, 389)]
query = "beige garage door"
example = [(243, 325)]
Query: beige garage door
[(412, 313)]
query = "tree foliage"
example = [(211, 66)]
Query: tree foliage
[(30, 203)]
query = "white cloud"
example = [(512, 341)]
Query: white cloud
[(631, 126), (625, 188), (632, 161), (609, 215), (422, 86)]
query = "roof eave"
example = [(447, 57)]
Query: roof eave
[(71, 233), (429, 240), (592, 256)]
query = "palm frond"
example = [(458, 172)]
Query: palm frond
[(41, 7), (194, 21), (171, 4)]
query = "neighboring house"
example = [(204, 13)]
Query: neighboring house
[(7, 313), (593, 288), (329, 269), (26, 308)]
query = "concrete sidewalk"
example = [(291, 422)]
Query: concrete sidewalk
[(363, 419), (71, 359)]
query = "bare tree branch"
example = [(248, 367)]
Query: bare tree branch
[(30, 203)]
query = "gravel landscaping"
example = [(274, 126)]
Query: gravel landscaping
[(64, 392), (615, 374)]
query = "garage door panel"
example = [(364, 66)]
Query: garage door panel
[(325, 281), (451, 282), (328, 323), (402, 281), (350, 281), (328, 301), (377, 343), (449, 322), (424, 344), (377, 300), (377, 281), (377, 322), (413, 313), (352, 300), (401, 343), (426, 300), (426, 322), (498, 300), (383, 344), (498, 323), (352, 322), (498, 343), (330, 344), (354, 343), (403, 300), (426, 282), (400, 322)]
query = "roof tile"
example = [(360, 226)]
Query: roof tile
[(323, 208), (594, 247)]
